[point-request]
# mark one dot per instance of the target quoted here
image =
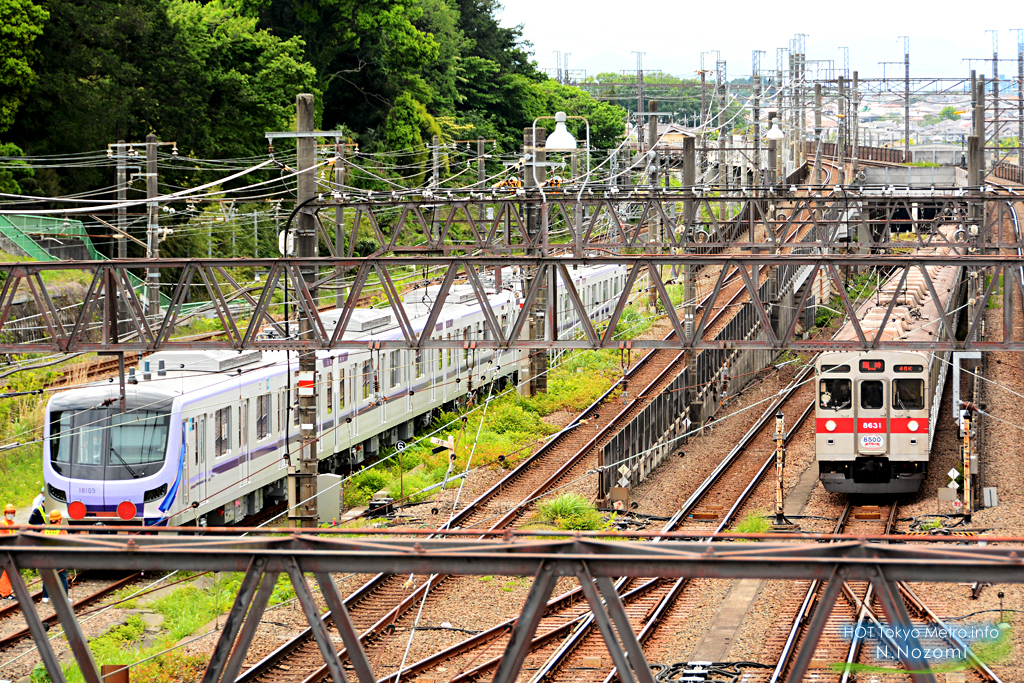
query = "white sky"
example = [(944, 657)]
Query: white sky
[(601, 35)]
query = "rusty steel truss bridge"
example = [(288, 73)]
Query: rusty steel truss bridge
[(465, 239)]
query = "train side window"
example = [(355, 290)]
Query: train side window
[(908, 394), (263, 416), (419, 363), (871, 395), (330, 392), (221, 432), (367, 377), (341, 388), (834, 394)]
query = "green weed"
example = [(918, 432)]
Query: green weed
[(753, 523), (571, 512)]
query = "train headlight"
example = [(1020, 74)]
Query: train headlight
[(912, 425), (830, 425)]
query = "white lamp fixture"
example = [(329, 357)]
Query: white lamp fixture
[(561, 140), (774, 133)]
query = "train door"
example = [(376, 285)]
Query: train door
[(244, 452), (199, 458), (872, 422), (187, 428)]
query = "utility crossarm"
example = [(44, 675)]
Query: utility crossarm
[(250, 312)]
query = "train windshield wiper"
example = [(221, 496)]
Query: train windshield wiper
[(129, 467)]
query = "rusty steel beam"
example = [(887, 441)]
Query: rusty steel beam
[(547, 556), (244, 326), (619, 220)]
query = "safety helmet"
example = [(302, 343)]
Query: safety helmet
[(10, 508), (55, 515)]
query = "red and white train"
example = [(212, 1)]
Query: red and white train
[(876, 411)]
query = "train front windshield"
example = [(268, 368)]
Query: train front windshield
[(102, 444)]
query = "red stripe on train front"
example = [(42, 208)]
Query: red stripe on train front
[(902, 425), (843, 425)]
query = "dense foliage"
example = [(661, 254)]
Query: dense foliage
[(213, 76)]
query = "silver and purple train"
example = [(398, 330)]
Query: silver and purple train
[(202, 437)]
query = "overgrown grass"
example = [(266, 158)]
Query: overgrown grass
[(21, 421), (511, 426), (185, 611), (753, 522), (571, 511)]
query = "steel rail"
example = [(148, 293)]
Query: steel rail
[(266, 664), (789, 649), (469, 643), (19, 636), (687, 508)]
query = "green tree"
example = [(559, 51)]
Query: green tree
[(21, 22), (948, 113), (196, 73), (365, 53), (607, 121), (12, 169)]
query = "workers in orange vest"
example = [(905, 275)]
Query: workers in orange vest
[(55, 529), (6, 592)]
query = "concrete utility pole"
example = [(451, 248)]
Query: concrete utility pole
[(855, 161), (979, 119), (339, 217), (435, 182), (122, 196), (654, 234), (302, 492), (817, 135), (841, 141), (690, 277), (534, 175), (756, 177), (152, 227), (995, 87)]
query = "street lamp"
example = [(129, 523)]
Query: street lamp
[(561, 140)]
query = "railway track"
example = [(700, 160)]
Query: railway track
[(571, 648), (380, 604), (855, 606), (96, 594)]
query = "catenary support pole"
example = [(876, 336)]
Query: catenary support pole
[(654, 231), (122, 196), (152, 227), (855, 130), (339, 221), (817, 135), (306, 247), (756, 177), (841, 141)]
